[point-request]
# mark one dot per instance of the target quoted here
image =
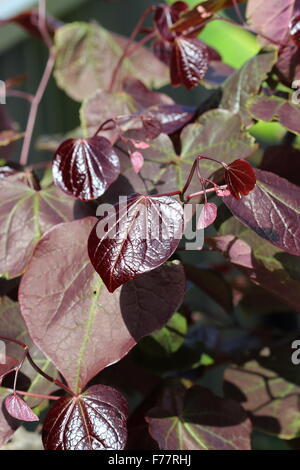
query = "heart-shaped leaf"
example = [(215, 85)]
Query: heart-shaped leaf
[(189, 62), (240, 178), (19, 409), (94, 420), (272, 108), (72, 317), (85, 168), (271, 398), (266, 265), (143, 232), (271, 210), (86, 55), (207, 216), (198, 420), (25, 214)]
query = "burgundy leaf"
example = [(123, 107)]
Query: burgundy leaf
[(287, 67), (166, 119), (151, 126), (137, 161), (143, 232), (189, 62), (85, 168), (166, 15), (29, 20), (163, 51), (25, 214), (19, 409), (269, 391), (94, 420), (272, 18), (294, 27), (207, 216), (196, 419), (273, 108), (74, 319), (271, 210), (240, 178), (282, 160)]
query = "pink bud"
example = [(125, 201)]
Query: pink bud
[(137, 161)]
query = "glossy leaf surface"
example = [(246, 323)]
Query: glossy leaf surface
[(19, 409), (271, 210), (77, 322), (85, 168), (143, 232), (95, 420)]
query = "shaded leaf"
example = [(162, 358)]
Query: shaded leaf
[(9, 136), (273, 401), (8, 425), (271, 210), (142, 233), (246, 82), (94, 420), (199, 420), (25, 214), (72, 317), (284, 161), (85, 168), (212, 283), (87, 55), (19, 409), (272, 108), (266, 265), (287, 67)]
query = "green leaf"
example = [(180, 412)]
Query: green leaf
[(246, 82), (86, 55)]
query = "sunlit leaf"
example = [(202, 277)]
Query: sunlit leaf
[(19, 409), (79, 325), (94, 420)]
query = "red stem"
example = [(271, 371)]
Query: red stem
[(35, 366), (130, 41), (210, 190), (42, 23), (34, 109), (35, 395)]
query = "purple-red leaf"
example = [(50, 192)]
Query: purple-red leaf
[(143, 232), (198, 420), (72, 317), (272, 108), (208, 215), (271, 210), (85, 168), (19, 409), (240, 178), (9, 364), (189, 62), (25, 214), (94, 420), (165, 16)]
